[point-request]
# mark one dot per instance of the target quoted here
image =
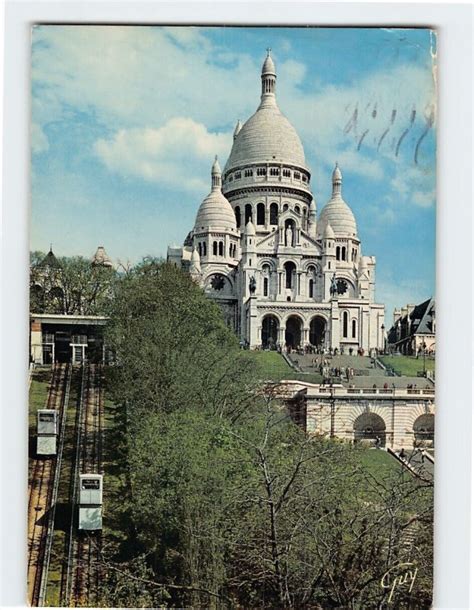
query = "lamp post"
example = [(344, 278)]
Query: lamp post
[(382, 328), (424, 359)]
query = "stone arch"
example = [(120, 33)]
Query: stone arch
[(274, 213), (290, 274), (369, 426), (293, 331), (248, 213), (237, 216), (317, 330), (269, 262), (345, 324), (424, 429), (270, 328)]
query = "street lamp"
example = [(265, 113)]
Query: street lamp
[(382, 328)]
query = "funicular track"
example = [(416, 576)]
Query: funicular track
[(43, 487), (81, 575)]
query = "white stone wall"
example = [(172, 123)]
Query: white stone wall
[(337, 415)]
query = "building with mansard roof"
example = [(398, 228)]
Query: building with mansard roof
[(283, 278)]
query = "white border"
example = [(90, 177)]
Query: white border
[(454, 254)]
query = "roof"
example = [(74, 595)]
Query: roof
[(267, 136), (339, 215), (420, 320), (336, 212), (215, 211), (50, 260)]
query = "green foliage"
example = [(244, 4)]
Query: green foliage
[(69, 285), (173, 348), (231, 503)]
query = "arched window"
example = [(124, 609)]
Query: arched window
[(199, 249), (343, 254), (265, 286), (311, 288), (297, 209), (221, 248), (237, 216), (285, 207), (354, 329), (248, 213), (338, 253), (260, 214), (204, 248), (274, 214), (290, 269), (345, 323), (214, 248)]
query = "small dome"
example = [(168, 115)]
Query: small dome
[(336, 212), (216, 168), (337, 175), (328, 232), (215, 211), (268, 65), (250, 228)]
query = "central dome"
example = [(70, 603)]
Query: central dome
[(267, 136)]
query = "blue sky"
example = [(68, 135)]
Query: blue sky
[(126, 122)]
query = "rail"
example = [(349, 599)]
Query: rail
[(54, 498), (75, 475)]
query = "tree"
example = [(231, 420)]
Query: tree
[(69, 285), (233, 504)]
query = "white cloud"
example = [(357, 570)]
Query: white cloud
[(136, 80), (179, 154), (414, 186), (39, 140)]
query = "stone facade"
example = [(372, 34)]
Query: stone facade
[(400, 418), (284, 278)]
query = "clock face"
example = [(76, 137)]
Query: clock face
[(341, 286), (218, 282)]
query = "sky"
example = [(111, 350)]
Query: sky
[(126, 122)]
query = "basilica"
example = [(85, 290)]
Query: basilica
[(283, 277)]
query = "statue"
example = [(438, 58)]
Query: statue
[(289, 236), (333, 288), (252, 284)]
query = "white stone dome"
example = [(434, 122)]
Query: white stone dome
[(267, 136), (215, 211), (339, 215), (336, 212)]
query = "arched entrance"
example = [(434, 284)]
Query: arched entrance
[(369, 426), (293, 332), (423, 429), (270, 326), (317, 331)]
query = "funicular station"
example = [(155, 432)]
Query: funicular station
[(60, 338)]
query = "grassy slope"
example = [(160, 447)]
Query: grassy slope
[(274, 367), (408, 365)]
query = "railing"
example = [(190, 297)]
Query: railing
[(334, 391)]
